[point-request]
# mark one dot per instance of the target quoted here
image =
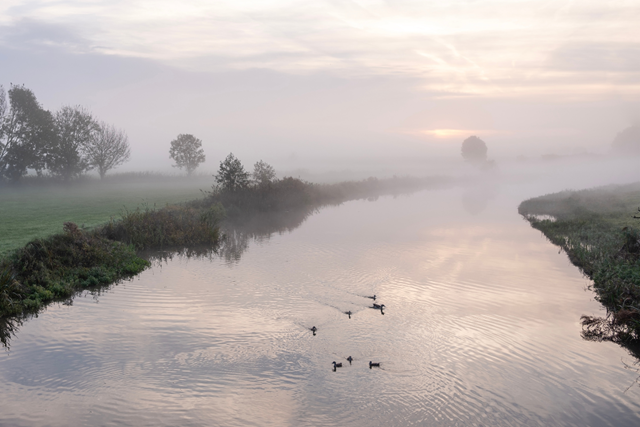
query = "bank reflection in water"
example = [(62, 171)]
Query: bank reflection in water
[(480, 327), (476, 197)]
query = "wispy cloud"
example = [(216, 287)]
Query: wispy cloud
[(487, 47)]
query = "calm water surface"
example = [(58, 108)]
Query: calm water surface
[(481, 328)]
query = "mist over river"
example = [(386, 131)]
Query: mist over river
[(481, 326)]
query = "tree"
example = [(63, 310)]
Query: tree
[(474, 150), (108, 148), (232, 176), (26, 130), (186, 150), (75, 129), (627, 141), (263, 173)]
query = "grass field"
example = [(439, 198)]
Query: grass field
[(34, 211)]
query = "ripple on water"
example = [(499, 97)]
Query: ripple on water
[(481, 327)]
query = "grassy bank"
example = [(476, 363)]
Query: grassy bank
[(598, 231), (55, 267), (39, 209)]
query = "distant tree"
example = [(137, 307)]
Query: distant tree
[(75, 130), (263, 173), (186, 150), (26, 130), (474, 150), (231, 175), (108, 149), (627, 141)]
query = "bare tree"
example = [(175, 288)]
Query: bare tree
[(108, 149), (187, 152)]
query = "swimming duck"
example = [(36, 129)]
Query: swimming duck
[(373, 297), (371, 364), (314, 329), (378, 306), (337, 365), (350, 359), (349, 313)]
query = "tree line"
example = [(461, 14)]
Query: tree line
[(186, 150), (65, 143)]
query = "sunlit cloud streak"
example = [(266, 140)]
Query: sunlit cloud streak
[(455, 48)]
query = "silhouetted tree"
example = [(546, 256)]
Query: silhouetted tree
[(231, 175), (186, 150), (75, 130), (627, 141), (108, 148), (474, 150), (263, 173), (26, 130)]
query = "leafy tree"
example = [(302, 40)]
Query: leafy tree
[(232, 176), (186, 150), (627, 141), (26, 130), (474, 150), (108, 148), (76, 128), (263, 173)]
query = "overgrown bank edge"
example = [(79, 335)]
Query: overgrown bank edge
[(598, 231), (56, 267)]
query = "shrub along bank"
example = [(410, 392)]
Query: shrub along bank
[(56, 267), (599, 232)]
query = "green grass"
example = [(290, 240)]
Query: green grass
[(48, 257), (598, 231), (31, 212)]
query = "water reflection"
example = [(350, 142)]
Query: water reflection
[(237, 236), (9, 327), (476, 196), (479, 328)]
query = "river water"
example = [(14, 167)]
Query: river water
[(481, 327)]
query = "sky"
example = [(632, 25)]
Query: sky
[(285, 80)]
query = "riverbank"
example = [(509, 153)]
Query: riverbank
[(37, 208), (597, 230), (57, 266)]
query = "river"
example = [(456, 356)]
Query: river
[(481, 326)]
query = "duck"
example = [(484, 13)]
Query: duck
[(371, 364), (314, 329), (373, 297), (349, 313), (337, 365), (350, 359), (378, 306)]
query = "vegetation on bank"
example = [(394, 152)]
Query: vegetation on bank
[(58, 266), (599, 232), (55, 267), (38, 207)]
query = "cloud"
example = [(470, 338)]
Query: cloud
[(30, 34), (596, 57), (487, 48)]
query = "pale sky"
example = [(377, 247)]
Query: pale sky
[(284, 79)]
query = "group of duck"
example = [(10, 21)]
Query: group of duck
[(349, 313)]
